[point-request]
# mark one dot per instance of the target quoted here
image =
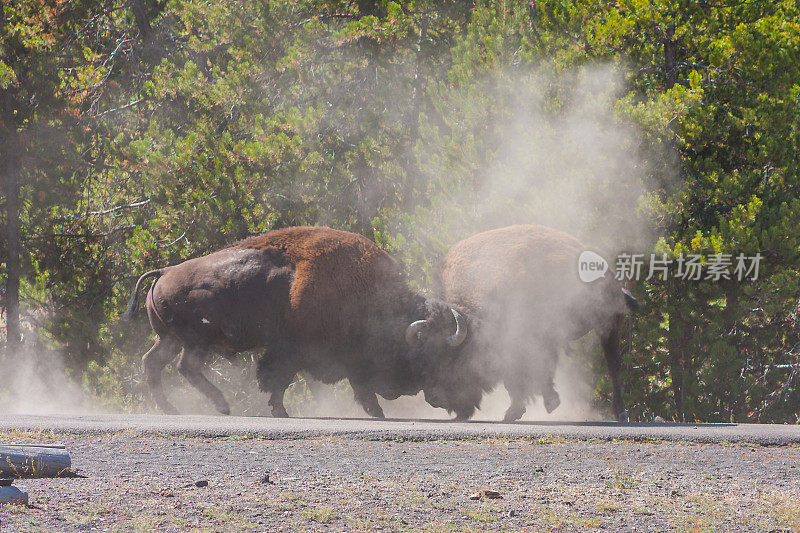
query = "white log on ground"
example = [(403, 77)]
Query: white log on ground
[(33, 460)]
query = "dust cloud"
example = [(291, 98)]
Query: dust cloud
[(560, 155), (35, 381)]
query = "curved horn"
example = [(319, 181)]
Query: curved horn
[(461, 330), (412, 330)]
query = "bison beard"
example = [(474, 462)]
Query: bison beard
[(520, 290), (322, 301)]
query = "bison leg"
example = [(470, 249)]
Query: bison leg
[(367, 399), (276, 370), (153, 362), (550, 397), (610, 341), (519, 389), (521, 385), (190, 366), (277, 390)]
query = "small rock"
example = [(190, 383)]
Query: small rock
[(512, 513), (201, 483), (18, 495), (539, 469), (487, 494), (265, 480), (167, 493), (659, 420)]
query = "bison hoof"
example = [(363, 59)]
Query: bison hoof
[(622, 417), (279, 412), (464, 414), (224, 409), (551, 402), (375, 412), (513, 414)]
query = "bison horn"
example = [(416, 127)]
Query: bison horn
[(413, 330), (461, 330)]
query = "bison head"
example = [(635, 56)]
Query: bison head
[(439, 347)]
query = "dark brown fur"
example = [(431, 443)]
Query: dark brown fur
[(318, 300), (520, 288)]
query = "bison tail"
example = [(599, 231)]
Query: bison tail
[(630, 301), (133, 303)]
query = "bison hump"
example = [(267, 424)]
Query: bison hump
[(498, 268)]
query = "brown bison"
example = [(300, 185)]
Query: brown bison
[(318, 300), (519, 289)]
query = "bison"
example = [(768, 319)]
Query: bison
[(519, 289), (326, 302)]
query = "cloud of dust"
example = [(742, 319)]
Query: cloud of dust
[(35, 382), (560, 155)]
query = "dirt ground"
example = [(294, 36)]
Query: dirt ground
[(131, 482)]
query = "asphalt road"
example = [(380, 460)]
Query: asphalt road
[(396, 429)]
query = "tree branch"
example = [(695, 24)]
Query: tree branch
[(126, 106), (119, 208)]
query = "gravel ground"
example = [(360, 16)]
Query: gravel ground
[(133, 482)]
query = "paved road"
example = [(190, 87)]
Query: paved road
[(369, 429)]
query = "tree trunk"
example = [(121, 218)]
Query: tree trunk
[(142, 22), (677, 336), (12, 236), (411, 121), (670, 58), (366, 7)]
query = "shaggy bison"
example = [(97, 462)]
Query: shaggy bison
[(519, 289), (318, 300)]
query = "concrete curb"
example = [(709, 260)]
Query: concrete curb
[(371, 429)]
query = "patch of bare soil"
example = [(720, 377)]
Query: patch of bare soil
[(242, 484)]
